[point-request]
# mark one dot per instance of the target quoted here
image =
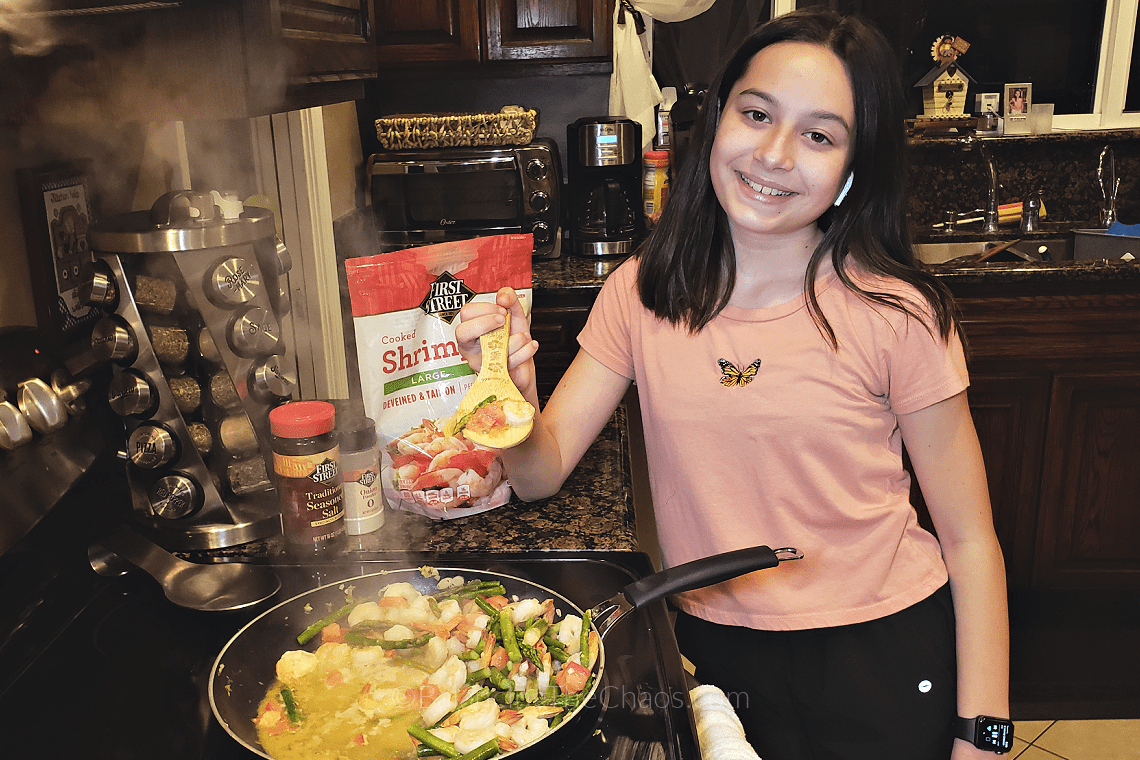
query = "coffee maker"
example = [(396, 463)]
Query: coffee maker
[(604, 184)]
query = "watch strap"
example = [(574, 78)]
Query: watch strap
[(964, 728)]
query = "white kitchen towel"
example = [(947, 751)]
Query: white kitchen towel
[(672, 11), (633, 91), (719, 731)]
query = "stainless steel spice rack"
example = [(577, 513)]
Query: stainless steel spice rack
[(194, 297)]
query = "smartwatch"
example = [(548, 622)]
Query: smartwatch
[(984, 732)]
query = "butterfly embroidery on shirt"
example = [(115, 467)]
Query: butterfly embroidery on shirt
[(731, 377)]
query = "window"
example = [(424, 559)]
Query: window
[(1079, 54)]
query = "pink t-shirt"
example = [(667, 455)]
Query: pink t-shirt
[(806, 455)]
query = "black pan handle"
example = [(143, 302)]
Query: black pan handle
[(699, 573)]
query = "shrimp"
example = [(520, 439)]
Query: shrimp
[(451, 676), (440, 706), (295, 665), (362, 612), (480, 715), (570, 633), (524, 610)]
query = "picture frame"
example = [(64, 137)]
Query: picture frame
[(56, 212), (1018, 98)]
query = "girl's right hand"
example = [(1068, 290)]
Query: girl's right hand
[(480, 317)]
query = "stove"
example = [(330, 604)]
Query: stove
[(96, 666), (108, 668)]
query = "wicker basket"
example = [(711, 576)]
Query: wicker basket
[(511, 126)]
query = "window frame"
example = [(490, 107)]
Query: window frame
[(1112, 70)]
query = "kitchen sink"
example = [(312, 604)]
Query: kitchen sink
[(1048, 249)]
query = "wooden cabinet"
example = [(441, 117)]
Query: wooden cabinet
[(492, 31), (1055, 395), (1090, 485), (555, 322), (213, 59)]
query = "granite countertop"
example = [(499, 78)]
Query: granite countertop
[(592, 512), (570, 273)]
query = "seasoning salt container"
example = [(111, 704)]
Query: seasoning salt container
[(306, 460), (360, 469)]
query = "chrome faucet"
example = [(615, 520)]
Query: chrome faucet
[(990, 213), (1109, 185)]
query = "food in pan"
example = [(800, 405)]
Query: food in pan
[(461, 672)]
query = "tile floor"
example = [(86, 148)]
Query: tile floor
[(1076, 740)]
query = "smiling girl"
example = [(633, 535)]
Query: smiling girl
[(786, 347)]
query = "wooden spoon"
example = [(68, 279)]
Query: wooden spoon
[(493, 380)]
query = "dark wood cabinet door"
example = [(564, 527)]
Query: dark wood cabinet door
[(1009, 414), (329, 39), (533, 30), (422, 31), (556, 329), (1090, 489)]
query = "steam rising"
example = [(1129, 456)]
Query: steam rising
[(105, 84)]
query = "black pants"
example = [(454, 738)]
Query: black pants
[(884, 689)]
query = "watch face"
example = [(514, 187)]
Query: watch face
[(995, 734)]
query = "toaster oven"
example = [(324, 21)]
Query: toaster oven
[(421, 197)]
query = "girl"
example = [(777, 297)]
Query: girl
[(785, 347)]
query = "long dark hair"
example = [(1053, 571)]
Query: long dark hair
[(687, 267)]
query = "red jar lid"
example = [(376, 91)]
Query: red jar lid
[(657, 155), (302, 419)]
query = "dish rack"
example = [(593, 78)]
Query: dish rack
[(512, 125)]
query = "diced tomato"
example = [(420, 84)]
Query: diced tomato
[(428, 481), (358, 740), (487, 416), (478, 460), (332, 633), (572, 678), (499, 658), (334, 679)]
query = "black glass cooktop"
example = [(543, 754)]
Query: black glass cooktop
[(127, 676)]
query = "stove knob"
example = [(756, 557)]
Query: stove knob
[(270, 382), (233, 282), (284, 260), (132, 395), (98, 287), (254, 333), (45, 411), (113, 340), (69, 392), (14, 428), (152, 446), (174, 496)]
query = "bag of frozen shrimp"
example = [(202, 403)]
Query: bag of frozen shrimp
[(405, 305)]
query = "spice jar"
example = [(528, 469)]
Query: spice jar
[(655, 188), (360, 470), (306, 460)]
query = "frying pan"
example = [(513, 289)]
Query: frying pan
[(245, 668)]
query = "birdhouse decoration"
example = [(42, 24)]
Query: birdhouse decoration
[(944, 87)]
